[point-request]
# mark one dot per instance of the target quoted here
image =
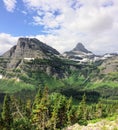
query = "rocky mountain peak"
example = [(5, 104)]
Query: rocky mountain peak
[(80, 47), (79, 53), (28, 48)]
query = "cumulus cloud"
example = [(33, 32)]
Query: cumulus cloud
[(89, 21), (10, 5), (6, 42), (67, 22)]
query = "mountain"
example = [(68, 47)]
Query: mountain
[(79, 53), (28, 48), (40, 81), (80, 47), (30, 54), (35, 63)]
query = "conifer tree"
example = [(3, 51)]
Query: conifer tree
[(82, 111), (40, 111), (54, 116), (55, 107), (6, 113), (37, 98), (62, 112), (99, 111), (69, 111), (28, 109)]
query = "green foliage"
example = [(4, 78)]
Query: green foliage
[(12, 86), (82, 111), (75, 79), (111, 76), (108, 84), (22, 124), (40, 111), (6, 113), (52, 111)]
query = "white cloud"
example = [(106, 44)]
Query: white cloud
[(95, 23), (67, 22), (24, 12), (6, 42), (10, 5)]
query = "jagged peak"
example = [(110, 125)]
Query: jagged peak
[(80, 47)]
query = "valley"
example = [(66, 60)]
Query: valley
[(74, 87)]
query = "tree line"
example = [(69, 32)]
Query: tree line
[(50, 112)]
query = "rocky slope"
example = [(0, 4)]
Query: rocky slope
[(31, 54), (110, 64), (79, 53), (45, 58), (28, 48), (34, 62), (102, 125)]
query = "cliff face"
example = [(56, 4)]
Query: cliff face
[(28, 48), (110, 65), (80, 54), (80, 48), (32, 54)]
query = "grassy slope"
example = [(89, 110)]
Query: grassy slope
[(86, 78), (12, 86)]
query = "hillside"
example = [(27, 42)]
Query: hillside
[(43, 89), (101, 125), (35, 63)]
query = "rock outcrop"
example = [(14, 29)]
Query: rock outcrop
[(80, 47), (28, 48), (79, 53), (109, 65)]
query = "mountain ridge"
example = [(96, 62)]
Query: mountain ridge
[(28, 48), (79, 53), (56, 71), (32, 48)]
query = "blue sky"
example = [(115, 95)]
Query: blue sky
[(61, 24), (17, 22)]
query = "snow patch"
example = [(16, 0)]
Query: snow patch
[(1, 76), (28, 59)]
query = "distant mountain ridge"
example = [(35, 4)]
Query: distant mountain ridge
[(82, 55), (32, 61), (31, 48), (79, 53), (80, 47)]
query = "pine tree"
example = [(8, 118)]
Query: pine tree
[(99, 110), (54, 110), (69, 111), (28, 109), (40, 111), (37, 98), (62, 112), (6, 113), (54, 116), (82, 111)]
